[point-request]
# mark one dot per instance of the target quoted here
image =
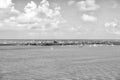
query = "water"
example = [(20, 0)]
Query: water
[(59, 63)]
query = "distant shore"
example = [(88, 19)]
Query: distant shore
[(58, 42)]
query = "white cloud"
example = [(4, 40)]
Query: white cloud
[(30, 6), (30, 10), (29, 15), (34, 17), (5, 3), (87, 5), (90, 18), (1, 24), (13, 10), (112, 24), (112, 27), (7, 9), (71, 2)]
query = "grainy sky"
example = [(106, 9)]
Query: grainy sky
[(60, 19)]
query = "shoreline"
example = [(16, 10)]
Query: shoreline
[(58, 42)]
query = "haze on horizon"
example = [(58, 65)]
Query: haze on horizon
[(59, 19)]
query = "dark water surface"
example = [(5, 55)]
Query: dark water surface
[(59, 63)]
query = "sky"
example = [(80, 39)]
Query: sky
[(59, 19)]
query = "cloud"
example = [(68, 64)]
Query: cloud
[(36, 17), (5, 3), (30, 6), (70, 29), (112, 27), (1, 24), (87, 5), (90, 18), (71, 2), (7, 9)]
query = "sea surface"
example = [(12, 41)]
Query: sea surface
[(60, 62)]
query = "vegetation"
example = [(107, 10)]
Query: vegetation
[(60, 42)]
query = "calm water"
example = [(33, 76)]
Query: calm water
[(60, 63)]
